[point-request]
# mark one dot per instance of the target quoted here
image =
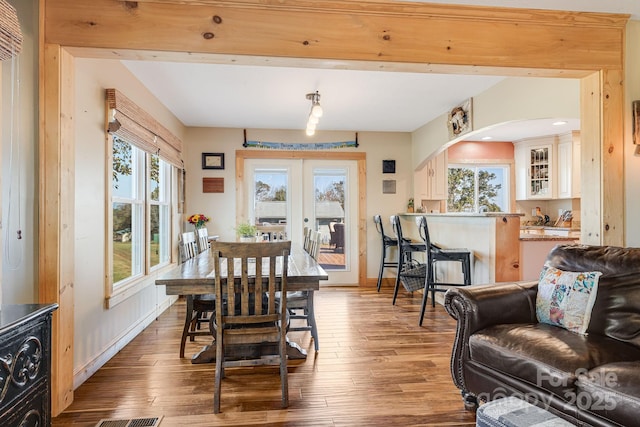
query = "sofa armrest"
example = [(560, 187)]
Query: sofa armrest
[(478, 307)]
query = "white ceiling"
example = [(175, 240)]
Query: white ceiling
[(273, 97)]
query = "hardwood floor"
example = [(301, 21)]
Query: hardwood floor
[(375, 367)]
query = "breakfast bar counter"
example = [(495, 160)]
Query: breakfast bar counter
[(493, 239)]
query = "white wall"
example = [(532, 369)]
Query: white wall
[(99, 331), (19, 166), (514, 98), (378, 146)]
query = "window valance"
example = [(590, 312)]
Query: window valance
[(128, 121), (10, 33)]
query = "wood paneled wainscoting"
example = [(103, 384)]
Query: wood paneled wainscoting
[(376, 367)]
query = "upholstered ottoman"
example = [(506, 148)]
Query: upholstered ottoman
[(513, 412)]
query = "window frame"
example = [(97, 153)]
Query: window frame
[(164, 200), (120, 291), (508, 166)]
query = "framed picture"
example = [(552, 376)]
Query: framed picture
[(388, 166), (212, 160), (389, 186), (460, 119)]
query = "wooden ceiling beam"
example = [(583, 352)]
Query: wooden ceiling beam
[(416, 33)]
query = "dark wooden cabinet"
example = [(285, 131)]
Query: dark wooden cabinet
[(25, 365)]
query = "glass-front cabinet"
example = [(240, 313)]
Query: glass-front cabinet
[(534, 162), (540, 171), (548, 167)]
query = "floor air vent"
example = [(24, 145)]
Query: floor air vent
[(131, 422)]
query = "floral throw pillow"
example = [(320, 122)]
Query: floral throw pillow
[(566, 298)]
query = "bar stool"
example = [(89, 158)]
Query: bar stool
[(436, 254), (406, 248), (387, 242)]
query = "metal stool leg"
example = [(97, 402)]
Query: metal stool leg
[(383, 264)]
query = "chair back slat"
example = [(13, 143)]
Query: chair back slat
[(307, 239), (203, 239), (396, 226), (423, 229), (255, 271), (314, 244), (188, 245)]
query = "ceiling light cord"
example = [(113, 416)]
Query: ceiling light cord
[(13, 250), (315, 113)]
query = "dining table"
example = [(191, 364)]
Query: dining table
[(195, 276)]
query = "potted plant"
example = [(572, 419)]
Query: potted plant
[(410, 205), (246, 232)]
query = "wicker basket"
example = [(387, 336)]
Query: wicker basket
[(413, 276)]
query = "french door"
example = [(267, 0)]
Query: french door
[(320, 194)]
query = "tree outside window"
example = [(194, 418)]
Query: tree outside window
[(478, 188)]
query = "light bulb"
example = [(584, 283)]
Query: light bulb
[(313, 119), (316, 110), (311, 131)]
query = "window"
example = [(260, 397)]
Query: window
[(478, 188), (136, 208), (159, 218)]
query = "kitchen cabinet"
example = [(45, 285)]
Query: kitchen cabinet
[(569, 166), (430, 182), (535, 168), (548, 167)]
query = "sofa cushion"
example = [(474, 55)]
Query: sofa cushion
[(611, 391), (545, 356), (565, 298), (610, 260), (616, 312)]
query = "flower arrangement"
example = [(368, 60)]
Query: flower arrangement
[(198, 220)]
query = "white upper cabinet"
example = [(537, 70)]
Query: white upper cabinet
[(430, 182), (569, 166), (535, 168), (548, 167)]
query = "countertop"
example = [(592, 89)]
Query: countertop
[(529, 237), (462, 214)]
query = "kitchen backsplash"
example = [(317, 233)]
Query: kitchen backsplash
[(552, 209)]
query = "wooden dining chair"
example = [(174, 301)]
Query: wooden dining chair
[(203, 239), (307, 238), (314, 244), (300, 303), (188, 245), (199, 307), (247, 277)]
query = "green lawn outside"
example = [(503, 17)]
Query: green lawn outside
[(122, 259)]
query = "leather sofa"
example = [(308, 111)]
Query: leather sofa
[(500, 348)]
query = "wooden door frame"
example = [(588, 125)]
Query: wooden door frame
[(359, 158), (371, 34)]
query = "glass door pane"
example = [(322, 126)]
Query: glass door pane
[(270, 200), (329, 198), (330, 207)]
